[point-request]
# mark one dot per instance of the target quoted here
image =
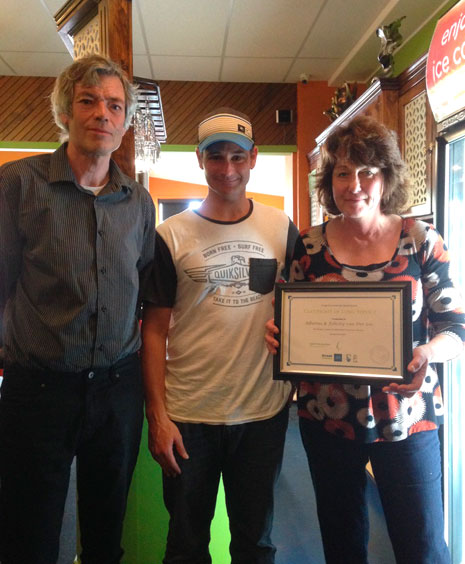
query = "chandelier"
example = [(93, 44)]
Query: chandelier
[(149, 125), (147, 146)]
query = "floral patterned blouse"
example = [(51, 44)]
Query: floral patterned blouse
[(365, 413)]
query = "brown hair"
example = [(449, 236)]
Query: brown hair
[(366, 142)]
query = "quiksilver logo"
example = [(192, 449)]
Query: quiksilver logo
[(236, 273)]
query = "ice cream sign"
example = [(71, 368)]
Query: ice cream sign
[(445, 69)]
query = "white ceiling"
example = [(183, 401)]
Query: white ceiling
[(225, 40)]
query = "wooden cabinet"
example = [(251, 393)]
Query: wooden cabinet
[(401, 104)]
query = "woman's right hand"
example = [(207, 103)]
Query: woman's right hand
[(271, 330)]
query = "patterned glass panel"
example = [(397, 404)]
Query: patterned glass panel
[(87, 40), (415, 149), (316, 211)]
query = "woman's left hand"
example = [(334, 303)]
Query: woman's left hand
[(417, 366)]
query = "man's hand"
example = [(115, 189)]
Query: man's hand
[(163, 439)]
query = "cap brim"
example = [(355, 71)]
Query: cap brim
[(243, 142)]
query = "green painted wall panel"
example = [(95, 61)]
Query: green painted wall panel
[(146, 523), (419, 44)]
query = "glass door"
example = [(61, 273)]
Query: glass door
[(454, 384)]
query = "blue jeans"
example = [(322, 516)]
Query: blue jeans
[(45, 420), (249, 458), (408, 476)]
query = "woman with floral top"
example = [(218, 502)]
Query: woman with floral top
[(363, 184)]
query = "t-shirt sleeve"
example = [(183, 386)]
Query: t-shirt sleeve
[(162, 283), (293, 240), (148, 248)]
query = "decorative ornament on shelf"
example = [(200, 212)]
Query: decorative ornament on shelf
[(391, 39), (342, 99)]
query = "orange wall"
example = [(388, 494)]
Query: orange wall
[(7, 156), (162, 189), (312, 100)]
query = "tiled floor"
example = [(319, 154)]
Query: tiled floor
[(69, 527)]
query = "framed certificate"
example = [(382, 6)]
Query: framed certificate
[(354, 332)]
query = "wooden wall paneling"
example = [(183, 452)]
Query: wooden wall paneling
[(276, 98), (28, 106), (30, 96), (182, 101), (25, 113), (116, 36), (7, 104), (34, 125), (185, 104), (8, 91), (387, 106), (21, 103), (179, 100), (45, 132)]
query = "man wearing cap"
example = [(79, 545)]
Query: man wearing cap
[(211, 403)]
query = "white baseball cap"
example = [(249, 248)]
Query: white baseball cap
[(225, 126)]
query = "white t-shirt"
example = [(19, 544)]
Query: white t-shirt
[(218, 369)]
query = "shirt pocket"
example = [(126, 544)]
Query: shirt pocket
[(262, 274)]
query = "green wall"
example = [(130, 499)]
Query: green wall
[(146, 523), (419, 44)]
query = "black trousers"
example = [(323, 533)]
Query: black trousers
[(248, 456), (48, 418)]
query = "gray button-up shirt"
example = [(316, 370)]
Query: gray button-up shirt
[(71, 265)]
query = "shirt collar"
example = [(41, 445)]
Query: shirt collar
[(60, 171)]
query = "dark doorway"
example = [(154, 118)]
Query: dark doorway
[(167, 208)]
